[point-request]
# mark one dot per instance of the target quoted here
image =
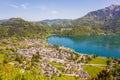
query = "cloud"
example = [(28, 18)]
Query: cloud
[(24, 6), (14, 6), (54, 12)]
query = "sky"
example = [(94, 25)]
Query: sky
[(36, 10)]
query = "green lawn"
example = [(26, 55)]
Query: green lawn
[(92, 70), (98, 60)]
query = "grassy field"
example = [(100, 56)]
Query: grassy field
[(92, 70), (98, 60)]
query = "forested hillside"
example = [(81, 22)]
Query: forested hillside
[(17, 27)]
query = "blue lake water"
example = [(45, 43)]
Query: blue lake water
[(106, 46)]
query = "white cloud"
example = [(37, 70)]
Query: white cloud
[(14, 6), (54, 12), (24, 6)]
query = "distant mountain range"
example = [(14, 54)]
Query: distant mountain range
[(53, 21), (4, 20)]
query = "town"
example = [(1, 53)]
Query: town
[(52, 60)]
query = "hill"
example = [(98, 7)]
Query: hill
[(18, 27), (53, 21)]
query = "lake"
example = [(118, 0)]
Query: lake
[(106, 46)]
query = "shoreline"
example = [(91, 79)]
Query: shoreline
[(78, 52)]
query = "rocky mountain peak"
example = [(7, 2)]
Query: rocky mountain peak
[(114, 7)]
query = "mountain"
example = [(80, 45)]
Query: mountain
[(109, 13), (4, 20), (107, 19), (18, 27), (63, 24), (103, 21), (53, 21)]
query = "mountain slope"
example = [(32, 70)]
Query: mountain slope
[(63, 24), (107, 19), (53, 21), (103, 21)]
